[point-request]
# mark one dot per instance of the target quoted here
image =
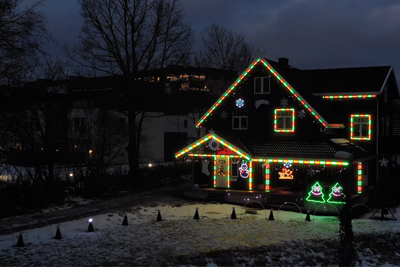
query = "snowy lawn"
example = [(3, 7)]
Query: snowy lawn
[(213, 240)]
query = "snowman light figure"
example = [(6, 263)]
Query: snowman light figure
[(244, 170)]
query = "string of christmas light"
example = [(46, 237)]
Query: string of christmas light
[(279, 78), (359, 177), (295, 94), (267, 177), (219, 140), (215, 172), (226, 94), (352, 122), (276, 116), (250, 176), (347, 96), (303, 161), (211, 155)]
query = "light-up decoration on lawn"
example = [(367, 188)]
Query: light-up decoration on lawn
[(279, 78), (359, 177), (267, 177), (287, 128), (347, 96), (316, 194), (336, 196), (285, 174), (240, 103), (219, 140), (244, 170), (353, 121)]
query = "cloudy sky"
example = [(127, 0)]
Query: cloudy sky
[(311, 33)]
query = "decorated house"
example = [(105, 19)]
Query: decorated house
[(307, 136)]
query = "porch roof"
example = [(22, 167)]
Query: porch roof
[(295, 147)]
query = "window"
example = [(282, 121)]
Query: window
[(239, 120), (80, 125), (262, 85), (185, 124), (235, 169), (284, 120), (360, 127)]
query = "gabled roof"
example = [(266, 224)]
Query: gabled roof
[(285, 83), (217, 138)]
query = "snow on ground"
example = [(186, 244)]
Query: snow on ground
[(213, 240)]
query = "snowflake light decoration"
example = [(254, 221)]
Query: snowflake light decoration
[(301, 113), (383, 162), (311, 172), (240, 103), (224, 115), (284, 102)]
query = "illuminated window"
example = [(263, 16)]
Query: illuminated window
[(239, 120), (360, 127), (261, 85), (284, 120)]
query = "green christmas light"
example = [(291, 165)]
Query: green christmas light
[(316, 194), (279, 78), (336, 196)]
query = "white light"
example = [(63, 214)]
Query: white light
[(90, 220), (150, 165), (71, 174)]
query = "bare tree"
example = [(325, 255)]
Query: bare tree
[(22, 36), (52, 68), (224, 49), (125, 37)]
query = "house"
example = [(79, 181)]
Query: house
[(279, 134), (74, 123)]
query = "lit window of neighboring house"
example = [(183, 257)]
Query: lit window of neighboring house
[(262, 85), (239, 120), (360, 127), (80, 125), (284, 120)]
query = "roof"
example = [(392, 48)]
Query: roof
[(307, 85), (349, 80), (322, 148)]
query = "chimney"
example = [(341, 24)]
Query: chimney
[(283, 61)]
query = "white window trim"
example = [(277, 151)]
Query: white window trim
[(262, 85), (240, 121), (361, 123)]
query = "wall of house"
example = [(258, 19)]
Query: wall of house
[(156, 125), (260, 109)]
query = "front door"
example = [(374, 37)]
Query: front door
[(222, 169)]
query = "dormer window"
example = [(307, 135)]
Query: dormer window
[(284, 120), (360, 127), (262, 85)]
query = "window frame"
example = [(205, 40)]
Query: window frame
[(285, 129), (360, 123), (240, 115), (262, 91)]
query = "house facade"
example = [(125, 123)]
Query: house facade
[(313, 136), (82, 123)]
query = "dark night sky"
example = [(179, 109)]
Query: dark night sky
[(311, 33)]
